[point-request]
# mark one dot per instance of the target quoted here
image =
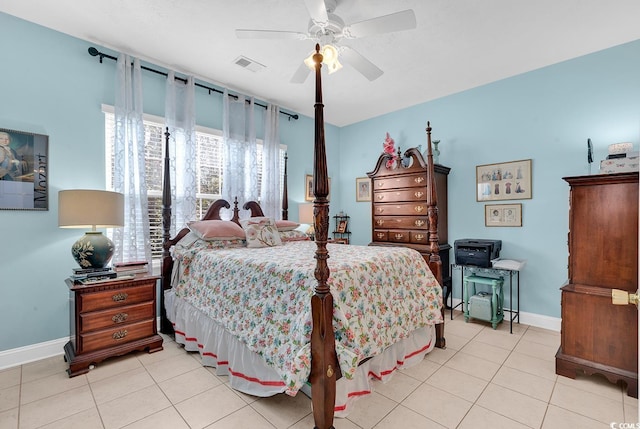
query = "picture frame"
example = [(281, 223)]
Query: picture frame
[(24, 170), (342, 226), (363, 189), (504, 181), (308, 188), (503, 215)]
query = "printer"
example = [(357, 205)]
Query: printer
[(477, 252)]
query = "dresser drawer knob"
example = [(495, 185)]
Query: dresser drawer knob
[(399, 236), (419, 209), (120, 317), (380, 235), (119, 297), (418, 194), (380, 209), (419, 179), (119, 334), (419, 237), (380, 184), (381, 197), (419, 222), (380, 222)]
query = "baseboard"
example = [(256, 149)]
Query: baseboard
[(32, 353), (532, 319)]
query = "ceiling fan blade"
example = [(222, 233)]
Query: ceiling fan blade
[(317, 10), (270, 34), (357, 61), (301, 74), (399, 21)]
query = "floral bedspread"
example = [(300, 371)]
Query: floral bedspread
[(263, 296)]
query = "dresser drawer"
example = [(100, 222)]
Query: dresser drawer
[(94, 320), (115, 336), (410, 194), (399, 236), (419, 237), (409, 222), (116, 297), (395, 209), (406, 181)]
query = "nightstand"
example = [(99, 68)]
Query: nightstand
[(110, 318)]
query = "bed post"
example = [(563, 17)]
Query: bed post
[(167, 263), (285, 192), (323, 353), (434, 250)]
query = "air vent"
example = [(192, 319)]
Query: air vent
[(249, 64)]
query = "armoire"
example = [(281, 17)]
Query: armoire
[(598, 337)]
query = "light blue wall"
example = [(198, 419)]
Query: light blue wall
[(546, 116), (50, 85)]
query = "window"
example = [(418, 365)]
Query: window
[(209, 161)]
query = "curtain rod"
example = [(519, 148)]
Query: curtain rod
[(94, 53)]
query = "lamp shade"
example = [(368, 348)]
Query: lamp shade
[(83, 208)]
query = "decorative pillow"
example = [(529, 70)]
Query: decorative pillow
[(217, 230), (286, 225), (261, 232), (294, 235)]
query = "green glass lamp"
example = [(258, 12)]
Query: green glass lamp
[(87, 208)]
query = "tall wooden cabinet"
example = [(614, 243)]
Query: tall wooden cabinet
[(598, 337), (399, 207)]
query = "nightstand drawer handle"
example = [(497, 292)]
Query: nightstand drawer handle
[(119, 297), (419, 222), (120, 317), (419, 179), (119, 335)]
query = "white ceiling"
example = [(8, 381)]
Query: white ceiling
[(457, 45)]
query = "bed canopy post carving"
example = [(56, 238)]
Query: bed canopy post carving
[(323, 353), (432, 212)]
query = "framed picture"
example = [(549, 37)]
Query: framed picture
[(308, 188), (24, 170), (504, 181), (503, 215), (342, 227), (363, 189)]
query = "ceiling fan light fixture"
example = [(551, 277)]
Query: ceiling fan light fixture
[(334, 67), (329, 58)]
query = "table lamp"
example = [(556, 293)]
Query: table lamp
[(84, 208), (305, 215)]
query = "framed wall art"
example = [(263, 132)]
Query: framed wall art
[(308, 188), (503, 215), (504, 181), (24, 170), (363, 189)]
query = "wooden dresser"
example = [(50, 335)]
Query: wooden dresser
[(399, 208), (598, 337), (111, 318)]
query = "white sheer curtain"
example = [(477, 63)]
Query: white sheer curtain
[(180, 118), (240, 173), (270, 194), (132, 242)]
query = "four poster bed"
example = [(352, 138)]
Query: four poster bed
[(271, 310)]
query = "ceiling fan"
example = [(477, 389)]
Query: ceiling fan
[(329, 30)]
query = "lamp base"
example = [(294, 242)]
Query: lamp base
[(93, 250)]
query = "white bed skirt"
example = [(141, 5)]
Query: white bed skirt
[(248, 373)]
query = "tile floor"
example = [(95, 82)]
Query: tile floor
[(484, 378)]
